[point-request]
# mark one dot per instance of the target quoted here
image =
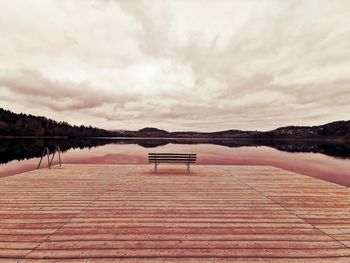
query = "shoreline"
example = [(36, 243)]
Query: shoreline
[(333, 140)]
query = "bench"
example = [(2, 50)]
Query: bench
[(173, 158)]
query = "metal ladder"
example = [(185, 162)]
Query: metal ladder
[(47, 152)]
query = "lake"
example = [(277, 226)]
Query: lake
[(326, 161)]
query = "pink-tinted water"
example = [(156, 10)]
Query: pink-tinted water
[(313, 164)]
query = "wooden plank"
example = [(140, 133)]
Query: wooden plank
[(189, 260), (193, 237), (97, 213), (183, 253), (179, 244), (13, 253)]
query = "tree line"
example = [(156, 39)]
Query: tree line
[(13, 124)]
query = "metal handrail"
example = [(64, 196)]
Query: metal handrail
[(57, 149), (45, 152)]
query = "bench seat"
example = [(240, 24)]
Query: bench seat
[(172, 158)]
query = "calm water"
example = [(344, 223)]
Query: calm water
[(329, 162)]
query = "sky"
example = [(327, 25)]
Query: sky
[(177, 65)]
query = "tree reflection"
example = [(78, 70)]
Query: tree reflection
[(20, 149)]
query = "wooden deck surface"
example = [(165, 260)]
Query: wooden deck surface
[(106, 213)]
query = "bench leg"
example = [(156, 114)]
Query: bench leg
[(155, 167), (188, 168)]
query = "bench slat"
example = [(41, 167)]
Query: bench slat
[(169, 161), (171, 154), (173, 157), (173, 162), (168, 158)]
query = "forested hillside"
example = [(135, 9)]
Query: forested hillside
[(13, 124)]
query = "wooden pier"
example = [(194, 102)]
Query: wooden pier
[(116, 213)]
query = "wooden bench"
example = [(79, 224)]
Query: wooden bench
[(173, 158)]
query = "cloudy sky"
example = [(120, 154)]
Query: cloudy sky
[(177, 65)]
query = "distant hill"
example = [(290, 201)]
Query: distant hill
[(219, 134), (339, 130), (158, 133), (334, 130), (13, 124), (152, 132)]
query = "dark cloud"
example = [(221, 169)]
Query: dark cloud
[(177, 65), (59, 95)]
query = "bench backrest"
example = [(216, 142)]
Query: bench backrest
[(172, 157)]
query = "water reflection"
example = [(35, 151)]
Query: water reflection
[(21, 149), (311, 158)]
